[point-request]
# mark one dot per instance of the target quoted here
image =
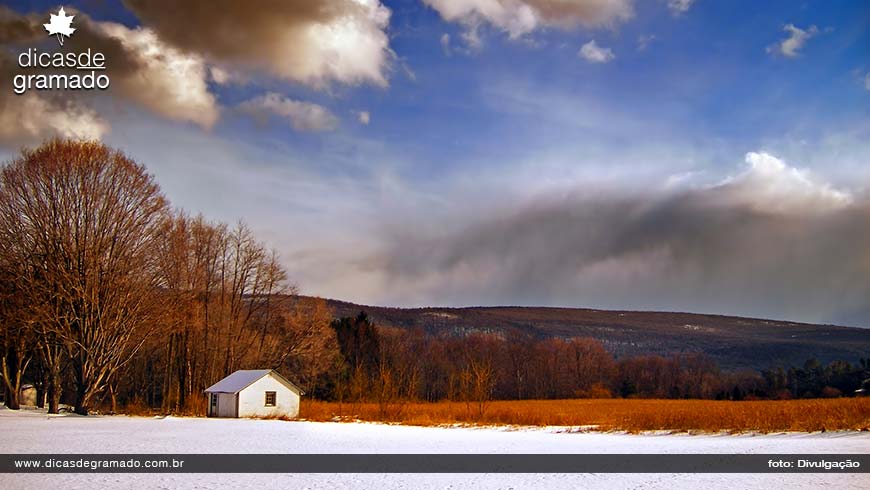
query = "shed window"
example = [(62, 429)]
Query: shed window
[(270, 398), (214, 400)]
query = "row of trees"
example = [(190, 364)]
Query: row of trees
[(100, 276), (387, 365)]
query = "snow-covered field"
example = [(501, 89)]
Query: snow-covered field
[(30, 431)]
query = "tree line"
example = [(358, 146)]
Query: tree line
[(110, 298), (391, 365)]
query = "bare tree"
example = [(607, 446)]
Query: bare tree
[(591, 366), (301, 340), (83, 220), (16, 344), (248, 278), (477, 374)]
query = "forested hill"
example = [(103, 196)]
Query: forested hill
[(734, 342)]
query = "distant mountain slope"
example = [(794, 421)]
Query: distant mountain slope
[(734, 342)]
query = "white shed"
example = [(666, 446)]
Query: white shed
[(253, 393)]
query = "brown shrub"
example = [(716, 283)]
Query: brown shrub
[(137, 407), (195, 405), (831, 392), (598, 390)]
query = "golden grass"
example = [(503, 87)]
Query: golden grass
[(616, 414), (195, 405)]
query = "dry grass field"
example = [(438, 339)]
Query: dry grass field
[(616, 414)]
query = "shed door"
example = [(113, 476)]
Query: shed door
[(226, 404)]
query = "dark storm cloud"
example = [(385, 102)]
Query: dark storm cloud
[(769, 243)]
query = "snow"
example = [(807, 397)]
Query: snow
[(32, 431), (237, 381)]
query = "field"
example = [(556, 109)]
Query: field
[(31, 431), (616, 414)]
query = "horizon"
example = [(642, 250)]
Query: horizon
[(585, 308), (668, 156)]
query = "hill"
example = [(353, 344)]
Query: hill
[(734, 342)]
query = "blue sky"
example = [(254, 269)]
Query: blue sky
[(482, 114)]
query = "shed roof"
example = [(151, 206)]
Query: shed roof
[(243, 378)]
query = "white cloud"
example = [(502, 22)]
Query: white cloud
[(796, 40), (364, 117), (520, 17), (445, 43), (769, 184), (303, 116), (680, 6), (310, 42), (644, 41), (27, 119), (225, 76), (594, 53), (167, 81), (219, 76), (470, 41), (471, 37)]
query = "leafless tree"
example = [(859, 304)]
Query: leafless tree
[(82, 220), (16, 343), (301, 340)]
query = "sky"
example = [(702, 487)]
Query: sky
[(665, 154)]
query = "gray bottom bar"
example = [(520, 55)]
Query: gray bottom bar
[(434, 463)]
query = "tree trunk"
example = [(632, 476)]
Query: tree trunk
[(85, 389), (83, 399), (80, 407), (41, 386), (13, 398), (114, 398), (183, 370), (12, 366), (53, 388), (167, 376)]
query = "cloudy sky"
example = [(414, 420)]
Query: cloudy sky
[(665, 154)]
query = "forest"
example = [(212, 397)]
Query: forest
[(111, 299)]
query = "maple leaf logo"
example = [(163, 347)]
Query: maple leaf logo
[(60, 25)]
